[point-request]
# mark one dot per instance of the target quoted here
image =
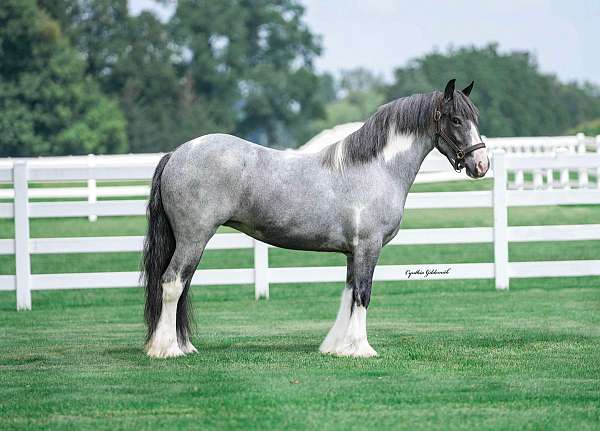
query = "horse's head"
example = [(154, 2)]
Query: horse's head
[(456, 132)]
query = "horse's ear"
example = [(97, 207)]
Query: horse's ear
[(468, 89), (449, 91)]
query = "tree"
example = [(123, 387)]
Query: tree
[(514, 97), (358, 94), (48, 104), (132, 59), (589, 128), (250, 62), (241, 66)]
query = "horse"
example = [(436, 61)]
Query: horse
[(348, 198)]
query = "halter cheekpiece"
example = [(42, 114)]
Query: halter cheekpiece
[(459, 155)]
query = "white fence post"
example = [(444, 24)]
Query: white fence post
[(21, 220), (550, 178), (583, 173), (500, 221), (538, 179), (91, 185), (519, 179), (261, 270), (549, 172), (565, 181)]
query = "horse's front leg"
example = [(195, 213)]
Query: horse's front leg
[(348, 336)]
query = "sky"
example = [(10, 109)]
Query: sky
[(384, 34)]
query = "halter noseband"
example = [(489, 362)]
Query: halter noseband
[(459, 155)]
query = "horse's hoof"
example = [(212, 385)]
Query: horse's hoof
[(361, 349), (188, 348), (328, 347), (170, 351), (365, 351)]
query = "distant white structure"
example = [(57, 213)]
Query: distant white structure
[(523, 146), (329, 136)]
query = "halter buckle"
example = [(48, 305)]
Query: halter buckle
[(460, 155), (437, 116)]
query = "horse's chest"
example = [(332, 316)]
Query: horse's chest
[(391, 232)]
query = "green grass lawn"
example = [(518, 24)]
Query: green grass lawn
[(452, 354)]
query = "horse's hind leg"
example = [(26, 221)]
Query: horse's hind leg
[(171, 337)]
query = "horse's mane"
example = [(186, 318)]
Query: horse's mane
[(407, 115)]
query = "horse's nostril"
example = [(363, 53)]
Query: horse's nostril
[(480, 167)]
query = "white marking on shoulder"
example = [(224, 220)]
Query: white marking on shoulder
[(397, 143)]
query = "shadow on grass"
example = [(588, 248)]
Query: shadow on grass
[(249, 347), (125, 352), (242, 348), (22, 360)]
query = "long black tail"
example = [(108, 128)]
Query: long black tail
[(159, 246)]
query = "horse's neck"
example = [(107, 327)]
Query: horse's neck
[(406, 164)]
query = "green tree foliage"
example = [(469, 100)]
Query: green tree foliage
[(48, 105), (250, 64), (358, 93), (132, 58), (79, 76), (242, 67), (514, 97), (589, 128)]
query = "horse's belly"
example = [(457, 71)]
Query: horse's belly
[(294, 233)]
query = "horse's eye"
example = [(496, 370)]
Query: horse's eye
[(456, 121)]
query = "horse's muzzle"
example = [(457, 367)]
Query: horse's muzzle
[(478, 168)]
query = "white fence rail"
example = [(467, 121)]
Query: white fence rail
[(434, 169), (21, 209)]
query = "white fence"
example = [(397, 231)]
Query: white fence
[(21, 172), (430, 172)]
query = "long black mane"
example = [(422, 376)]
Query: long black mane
[(412, 114)]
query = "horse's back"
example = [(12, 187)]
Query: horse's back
[(221, 172)]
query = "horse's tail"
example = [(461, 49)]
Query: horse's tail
[(159, 246)]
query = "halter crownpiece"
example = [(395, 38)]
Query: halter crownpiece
[(459, 154)]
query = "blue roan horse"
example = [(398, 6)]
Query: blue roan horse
[(348, 198)]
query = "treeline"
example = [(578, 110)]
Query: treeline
[(84, 76), (513, 96)]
